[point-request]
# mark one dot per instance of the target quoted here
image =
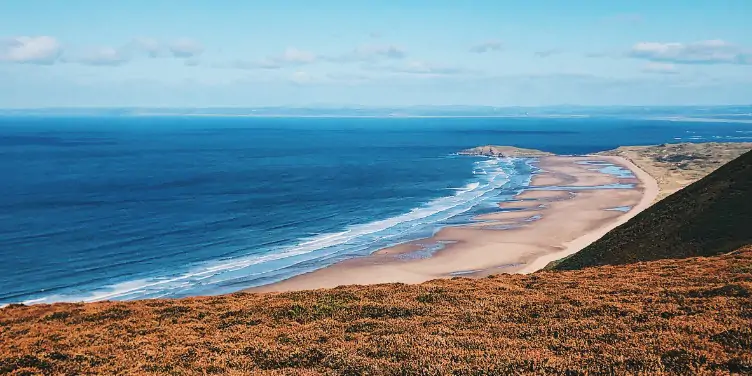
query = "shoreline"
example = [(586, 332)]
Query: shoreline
[(568, 205), (650, 192)]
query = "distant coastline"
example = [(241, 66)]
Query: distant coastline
[(394, 116), (727, 113)]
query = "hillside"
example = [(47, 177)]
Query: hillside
[(665, 317), (708, 217)]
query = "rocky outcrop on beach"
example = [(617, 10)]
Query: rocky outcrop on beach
[(504, 151)]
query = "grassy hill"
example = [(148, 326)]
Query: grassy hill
[(682, 317), (711, 216)]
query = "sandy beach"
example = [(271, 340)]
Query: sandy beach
[(566, 208)]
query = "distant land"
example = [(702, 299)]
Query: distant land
[(504, 151), (733, 113)]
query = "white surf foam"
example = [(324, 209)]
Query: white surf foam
[(356, 238)]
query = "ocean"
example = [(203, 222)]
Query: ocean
[(130, 207)]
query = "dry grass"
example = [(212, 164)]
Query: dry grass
[(688, 316)]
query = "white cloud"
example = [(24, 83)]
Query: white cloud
[(347, 78), (421, 68), (30, 50), (152, 47), (186, 48), (295, 56), (489, 46), (660, 68), (702, 52), (337, 79), (370, 53), (387, 51), (250, 65), (290, 57), (301, 78), (105, 56)]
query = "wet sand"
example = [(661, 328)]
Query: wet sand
[(563, 212)]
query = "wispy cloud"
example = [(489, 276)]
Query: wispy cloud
[(488, 46), (660, 68), (290, 57), (702, 52), (43, 50), (370, 53), (186, 48), (251, 65), (192, 62), (183, 48), (548, 53), (304, 78), (348, 78), (420, 68), (104, 56), (301, 78), (295, 56), (150, 46)]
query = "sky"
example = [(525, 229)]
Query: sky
[(233, 53)]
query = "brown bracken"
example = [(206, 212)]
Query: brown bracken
[(688, 316)]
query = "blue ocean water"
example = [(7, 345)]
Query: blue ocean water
[(126, 207)]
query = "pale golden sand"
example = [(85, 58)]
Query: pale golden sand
[(525, 204), (545, 196), (567, 222)]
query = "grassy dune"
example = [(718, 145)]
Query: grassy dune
[(688, 316)]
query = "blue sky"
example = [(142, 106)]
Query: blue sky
[(190, 53)]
